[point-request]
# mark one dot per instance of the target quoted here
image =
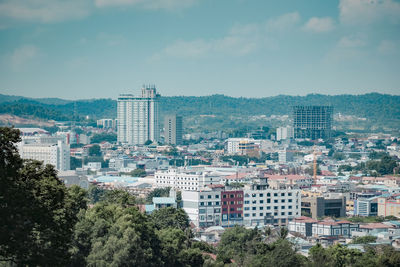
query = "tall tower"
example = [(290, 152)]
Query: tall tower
[(313, 122), (138, 117), (173, 129)]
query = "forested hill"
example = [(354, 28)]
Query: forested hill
[(377, 108)]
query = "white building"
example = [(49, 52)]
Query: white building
[(283, 133), (264, 205), (185, 179), (203, 207), (107, 123), (232, 144), (57, 154), (138, 117)]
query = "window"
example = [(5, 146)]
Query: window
[(282, 213), (247, 202), (261, 201), (254, 208), (240, 202), (232, 202), (289, 213), (261, 208), (282, 194), (209, 196), (275, 194), (268, 208), (232, 196), (202, 211), (216, 196), (201, 197), (276, 207), (209, 203), (268, 194), (246, 215), (289, 194), (246, 208), (290, 207), (224, 209), (239, 208), (275, 201), (290, 200), (254, 202), (283, 207), (232, 209), (225, 202), (254, 214), (224, 196), (201, 203), (275, 214), (253, 195), (283, 201), (268, 200), (261, 214), (217, 203), (261, 195)]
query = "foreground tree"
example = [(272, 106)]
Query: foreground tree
[(37, 213)]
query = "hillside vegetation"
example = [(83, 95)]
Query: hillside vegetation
[(380, 110)]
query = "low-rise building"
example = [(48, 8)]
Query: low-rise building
[(319, 207)]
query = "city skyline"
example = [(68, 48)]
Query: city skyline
[(99, 49)]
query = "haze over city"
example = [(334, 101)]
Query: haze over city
[(98, 49)]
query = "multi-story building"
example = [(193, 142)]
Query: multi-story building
[(389, 205), (366, 206), (185, 179), (232, 207), (107, 123), (284, 133), (173, 129), (56, 154), (203, 207), (138, 117), (309, 227), (266, 205), (319, 206), (312, 122), (254, 205), (235, 145)]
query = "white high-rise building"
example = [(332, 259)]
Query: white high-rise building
[(138, 117)]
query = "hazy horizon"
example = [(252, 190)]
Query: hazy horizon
[(84, 49)]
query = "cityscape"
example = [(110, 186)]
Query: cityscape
[(169, 173)]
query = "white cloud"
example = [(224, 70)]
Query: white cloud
[(148, 4), (283, 22), (241, 40), (22, 55), (387, 47), (319, 25), (368, 11), (352, 41), (44, 11)]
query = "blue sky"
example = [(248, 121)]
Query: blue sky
[(100, 48)]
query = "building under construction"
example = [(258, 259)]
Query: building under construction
[(312, 122)]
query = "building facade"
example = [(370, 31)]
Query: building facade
[(185, 179), (318, 207), (312, 122), (138, 117), (173, 129), (56, 154)]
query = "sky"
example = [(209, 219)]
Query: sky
[(79, 49)]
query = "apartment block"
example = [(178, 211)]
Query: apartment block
[(173, 129), (138, 117)]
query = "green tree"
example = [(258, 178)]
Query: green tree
[(157, 192), (138, 173), (364, 239), (95, 151), (37, 212), (148, 142), (170, 217)]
